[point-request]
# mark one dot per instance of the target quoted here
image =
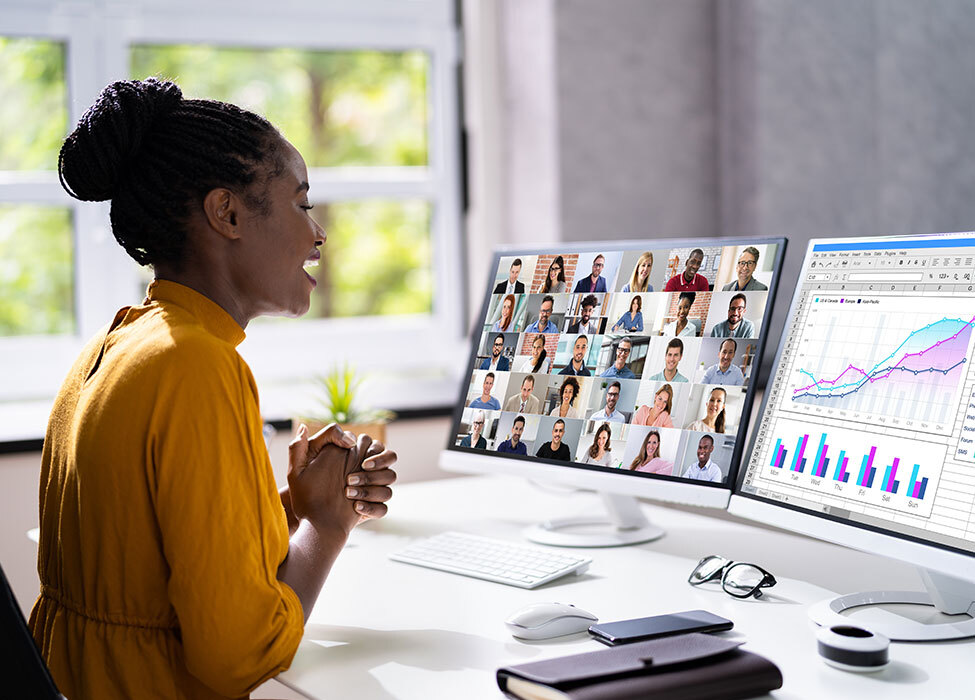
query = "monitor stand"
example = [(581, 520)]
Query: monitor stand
[(948, 595), (625, 525)]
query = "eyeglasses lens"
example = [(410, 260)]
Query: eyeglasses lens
[(707, 568), (742, 579)]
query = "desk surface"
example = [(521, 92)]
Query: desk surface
[(383, 629)]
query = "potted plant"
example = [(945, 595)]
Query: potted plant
[(336, 404)]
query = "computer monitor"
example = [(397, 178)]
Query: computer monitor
[(627, 368), (867, 429)]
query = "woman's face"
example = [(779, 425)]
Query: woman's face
[(567, 393), (537, 347), (683, 308), (273, 250), (715, 403), (553, 272), (643, 271), (601, 440), (506, 308), (660, 401), (634, 306), (652, 444)]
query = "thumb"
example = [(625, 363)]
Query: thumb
[(298, 451)]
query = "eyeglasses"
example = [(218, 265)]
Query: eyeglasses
[(746, 263), (738, 578)]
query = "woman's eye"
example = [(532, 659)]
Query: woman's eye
[(307, 207)]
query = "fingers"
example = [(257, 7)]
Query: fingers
[(371, 510), (331, 434), (383, 477), (298, 450), (371, 494), (364, 444), (383, 460)]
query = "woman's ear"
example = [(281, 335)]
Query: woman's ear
[(222, 210)]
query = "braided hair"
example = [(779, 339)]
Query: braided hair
[(156, 155)]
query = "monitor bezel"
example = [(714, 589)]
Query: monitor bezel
[(518, 462), (862, 536)]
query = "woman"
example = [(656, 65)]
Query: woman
[(538, 361), (506, 322), (681, 326), (166, 558), (474, 437), (568, 392), (555, 279), (632, 320), (649, 459), (657, 416), (600, 451), (640, 279), (714, 421)]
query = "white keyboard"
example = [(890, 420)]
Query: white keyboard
[(492, 560)]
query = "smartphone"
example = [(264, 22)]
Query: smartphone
[(642, 628)]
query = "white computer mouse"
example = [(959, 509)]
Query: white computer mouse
[(548, 620)]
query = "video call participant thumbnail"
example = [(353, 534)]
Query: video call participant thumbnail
[(632, 320), (736, 325), (485, 400), (512, 285), (689, 280), (714, 420), (600, 451), (555, 278), (586, 323), (474, 438), (703, 469), (538, 361), (682, 326), (640, 279), (568, 398), (619, 368), (648, 459), (497, 361), (507, 320), (608, 412), (524, 401), (555, 448), (514, 445), (594, 282), (672, 358), (724, 372), (658, 415), (543, 324), (577, 365), (747, 262)]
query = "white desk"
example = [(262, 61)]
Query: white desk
[(383, 630)]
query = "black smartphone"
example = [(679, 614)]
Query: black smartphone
[(642, 628)]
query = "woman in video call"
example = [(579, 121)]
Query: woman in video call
[(640, 279), (555, 279), (474, 438), (538, 361), (649, 459), (632, 320), (506, 322), (681, 327), (169, 563), (658, 415), (714, 421), (600, 451), (568, 392)]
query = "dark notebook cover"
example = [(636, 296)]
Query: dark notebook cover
[(686, 667)]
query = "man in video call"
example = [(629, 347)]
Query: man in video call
[(485, 400), (512, 286), (703, 469), (543, 324), (556, 449), (577, 365), (736, 325), (497, 362), (747, 262), (619, 368), (609, 412), (675, 351), (514, 445), (594, 282), (689, 280), (524, 401), (586, 324), (724, 372)]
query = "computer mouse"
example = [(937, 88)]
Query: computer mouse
[(548, 620)]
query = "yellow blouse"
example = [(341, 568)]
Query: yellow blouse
[(161, 528)]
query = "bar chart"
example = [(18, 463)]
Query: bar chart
[(853, 465), (884, 360)]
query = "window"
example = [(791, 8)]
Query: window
[(366, 91)]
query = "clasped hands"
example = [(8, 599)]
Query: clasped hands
[(336, 479)]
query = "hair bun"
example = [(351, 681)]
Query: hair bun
[(110, 135)]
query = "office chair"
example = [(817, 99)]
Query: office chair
[(22, 670)]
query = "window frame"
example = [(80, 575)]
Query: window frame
[(98, 35)]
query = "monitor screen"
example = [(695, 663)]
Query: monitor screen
[(633, 359), (869, 417)]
